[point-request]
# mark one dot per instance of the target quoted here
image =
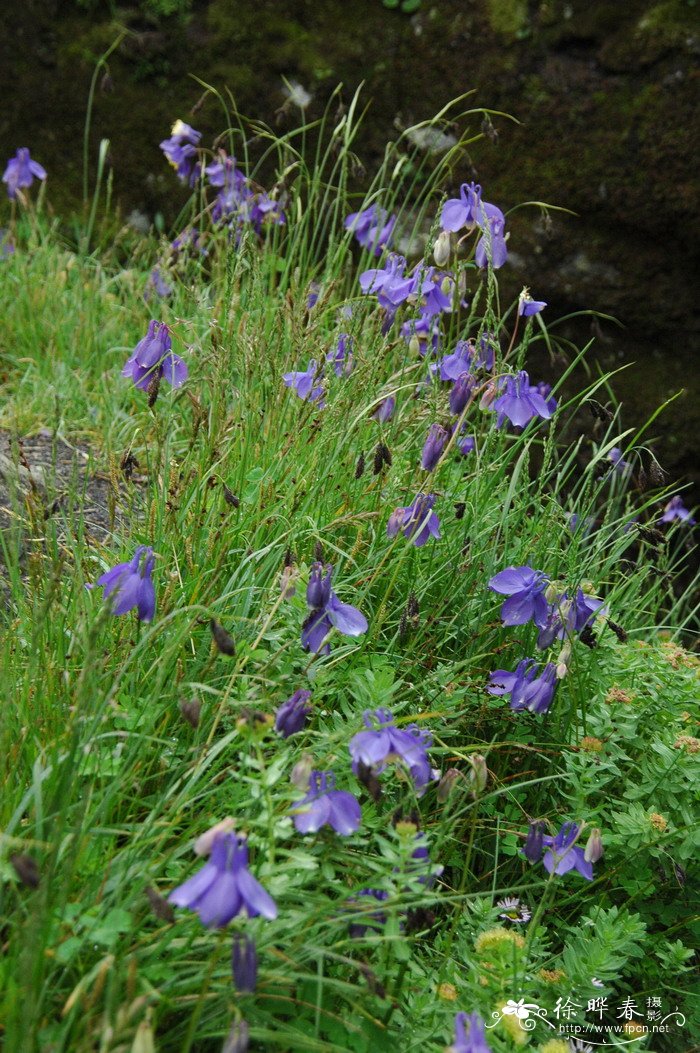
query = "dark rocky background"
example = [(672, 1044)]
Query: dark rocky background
[(606, 94)]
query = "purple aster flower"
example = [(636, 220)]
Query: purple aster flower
[(675, 509), (384, 743), (323, 805), (527, 306), (527, 690), (370, 920), (305, 384), (181, 151), (417, 521), (224, 886), (291, 715), (492, 248), (153, 358), (521, 402), (512, 910), (130, 585), (371, 228), (534, 842), (21, 172), (422, 334), (385, 410), (244, 963), (341, 358), (390, 284), (327, 612), (619, 464), (525, 589), (470, 1036), (461, 393), (563, 854), (433, 447)]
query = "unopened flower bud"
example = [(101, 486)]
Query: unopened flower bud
[(594, 846), (244, 963), (26, 869), (238, 1038), (442, 249), (447, 784), (490, 392), (414, 345), (288, 579), (203, 844), (301, 772), (534, 845), (190, 710), (223, 640), (479, 775)]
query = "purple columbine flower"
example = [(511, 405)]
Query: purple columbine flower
[(675, 509), (521, 402), (417, 521), (189, 241), (385, 410), (466, 445), (619, 464), (566, 617), (492, 247), (534, 842), (341, 357), (390, 284), (384, 744), (374, 919), (433, 289), (130, 585), (224, 886), (545, 391), (153, 358), (157, 285), (327, 612), (527, 690), (527, 307), (21, 172), (470, 1036), (461, 393), (563, 854), (460, 361), (244, 963), (305, 384), (525, 589), (323, 805), (468, 210), (433, 447), (371, 228), (181, 151), (291, 715), (266, 211)]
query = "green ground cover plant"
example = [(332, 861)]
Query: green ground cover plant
[(498, 670)]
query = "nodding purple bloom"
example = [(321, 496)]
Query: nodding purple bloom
[(486, 353), (492, 247), (420, 862), (466, 446), (468, 210), (527, 690), (244, 963), (189, 241), (153, 358), (130, 585), (567, 617), (461, 393), (459, 362), (327, 612), (417, 521), (525, 589), (341, 358), (291, 715), (433, 289), (521, 402), (323, 805), (384, 743), (545, 391), (563, 854), (433, 447), (266, 211), (305, 383), (527, 307), (619, 464), (675, 509), (181, 151), (470, 1036), (157, 285), (424, 332), (21, 172), (385, 410), (390, 284), (374, 919), (371, 228), (534, 842), (224, 886)]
